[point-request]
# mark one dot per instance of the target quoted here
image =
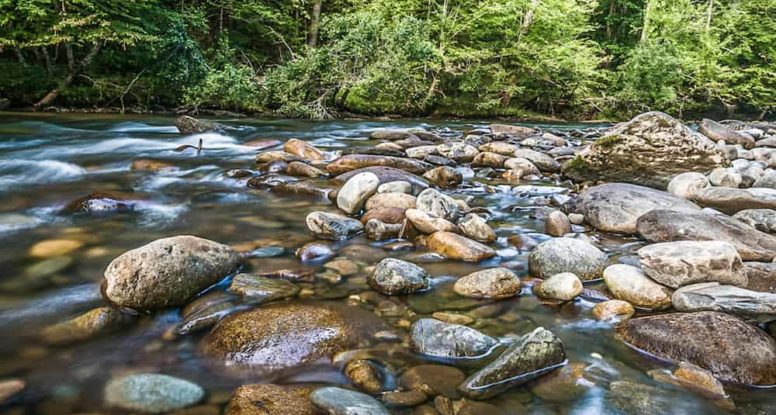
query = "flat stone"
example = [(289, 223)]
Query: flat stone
[(649, 150), (542, 161), (711, 296), (399, 186), (394, 215), (297, 168), (391, 200), (286, 335), (761, 276), (531, 356), (386, 175), (443, 340), (167, 272), (350, 162), (396, 277), (630, 284), (457, 247), (151, 392), (729, 348), (558, 255), (675, 264), (615, 207), (55, 247), (338, 401), (732, 201), (495, 283), (262, 289), (667, 226), (515, 130), (332, 226), (269, 399), (439, 204)]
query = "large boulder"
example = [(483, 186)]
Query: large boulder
[(558, 255), (529, 357), (167, 272), (288, 335), (675, 264), (649, 149), (668, 225), (732, 201), (731, 349), (615, 207)]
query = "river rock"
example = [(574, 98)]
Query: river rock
[(615, 207), (763, 220), (523, 165), (286, 335), (87, 325), (557, 224), (667, 226), (269, 399), (151, 392), (712, 296), (488, 159), (630, 284), (420, 152), (433, 380), (338, 401), (98, 203), (489, 283), (499, 147), (686, 185), (302, 149), (297, 168), (563, 287), (354, 194), (262, 289), (444, 176), (531, 356), (428, 223), (191, 125), (761, 276), (393, 215), (567, 255), (386, 175), (613, 309), (729, 348), (437, 339), (675, 264), (10, 387), (55, 247), (151, 165), (732, 201), (458, 247), (364, 375), (167, 272), (439, 204), (333, 226), (476, 227), (718, 132), (542, 161), (399, 186), (650, 149), (350, 162), (396, 277), (391, 200), (460, 152), (725, 177), (515, 130)]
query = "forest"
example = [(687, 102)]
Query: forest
[(571, 59)]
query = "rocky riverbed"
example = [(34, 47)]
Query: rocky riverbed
[(394, 268)]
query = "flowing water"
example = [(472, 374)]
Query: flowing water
[(46, 161)]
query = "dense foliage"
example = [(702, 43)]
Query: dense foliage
[(317, 58)]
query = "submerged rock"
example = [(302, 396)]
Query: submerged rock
[(87, 325), (262, 289), (332, 226), (287, 335), (489, 283), (667, 226), (458, 247), (650, 149), (396, 277), (269, 399), (98, 203), (433, 380), (338, 401), (529, 357), (722, 344), (437, 339), (167, 272), (712, 296), (558, 255), (616, 207), (630, 284), (675, 264), (151, 392)]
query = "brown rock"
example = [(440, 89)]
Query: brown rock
[(150, 165), (490, 283), (433, 380), (365, 376), (351, 162), (297, 168), (302, 149), (557, 224), (444, 176), (391, 200), (90, 324), (385, 215), (268, 399), (613, 309), (458, 247)]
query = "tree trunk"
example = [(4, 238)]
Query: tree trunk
[(315, 24), (647, 17), (46, 59), (20, 57), (708, 15), (70, 57), (609, 25), (54, 93)]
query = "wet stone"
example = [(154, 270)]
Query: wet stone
[(675, 264), (443, 340), (490, 283), (563, 287), (559, 255), (262, 289), (151, 392), (90, 324), (364, 375), (630, 284), (432, 380), (613, 310), (393, 277), (475, 227), (338, 401), (269, 399), (333, 226), (460, 248)]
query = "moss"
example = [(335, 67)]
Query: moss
[(608, 141)]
